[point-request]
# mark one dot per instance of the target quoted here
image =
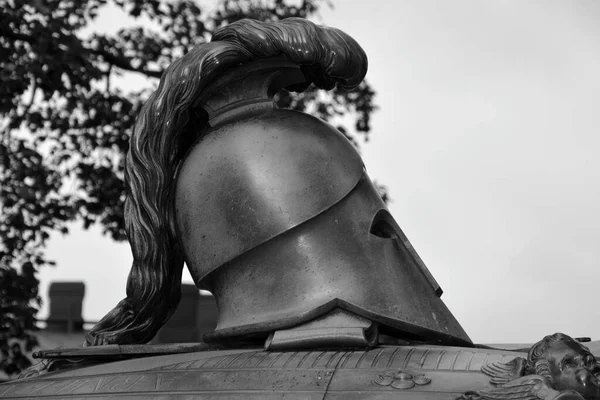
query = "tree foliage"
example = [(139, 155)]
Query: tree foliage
[(65, 121), (18, 301)]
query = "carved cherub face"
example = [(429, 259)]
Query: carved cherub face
[(573, 367)]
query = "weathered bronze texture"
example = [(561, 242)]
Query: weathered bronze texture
[(271, 210), (349, 374), (557, 367), (253, 179), (294, 237), (407, 371)]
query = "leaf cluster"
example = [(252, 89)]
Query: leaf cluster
[(18, 303)]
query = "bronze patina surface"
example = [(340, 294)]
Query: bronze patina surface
[(415, 372), (272, 210), (295, 237), (555, 368)]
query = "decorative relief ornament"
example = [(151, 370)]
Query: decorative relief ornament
[(399, 379), (557, 368)]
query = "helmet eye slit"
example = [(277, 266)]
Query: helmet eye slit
[(382, 227)]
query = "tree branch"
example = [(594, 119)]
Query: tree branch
[(33, 90), (108, 78), (122, 63), (119, 62)]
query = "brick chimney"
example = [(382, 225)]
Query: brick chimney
[(66, 299)]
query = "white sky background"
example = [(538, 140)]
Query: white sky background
[(487, 137)]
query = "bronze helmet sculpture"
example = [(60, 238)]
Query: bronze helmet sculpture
[(272, 210)]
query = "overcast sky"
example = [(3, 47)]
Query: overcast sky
[(487, 138)]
